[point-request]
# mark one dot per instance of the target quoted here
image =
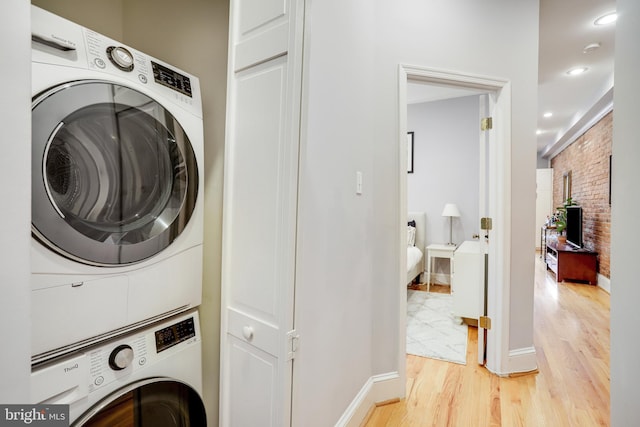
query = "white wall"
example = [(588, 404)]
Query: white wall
[(348, 269), (446, 165), (334, 259), (496, 38), (542, 163), (15, 174), (625, 233)]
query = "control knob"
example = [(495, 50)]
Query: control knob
[(120, 57), (121, 357)]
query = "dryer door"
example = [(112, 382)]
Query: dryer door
[(114, 176), (156, 402)]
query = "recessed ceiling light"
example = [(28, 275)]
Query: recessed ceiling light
[(591, 47), (538, 132), (577, 71), (606, 19), (547, 114)]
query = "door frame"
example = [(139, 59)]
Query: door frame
[(499, 266)]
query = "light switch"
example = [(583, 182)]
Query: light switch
[(358, 182)]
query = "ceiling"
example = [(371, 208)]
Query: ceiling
[(566, 28)]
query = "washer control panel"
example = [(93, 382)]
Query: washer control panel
[(107, 363), (174, 334), (114, 363)]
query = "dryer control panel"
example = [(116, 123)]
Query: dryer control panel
[(104, 54), (62, 42), (171, 79)]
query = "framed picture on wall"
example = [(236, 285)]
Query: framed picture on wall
[(410, 152), (610, 179), (566, 186)]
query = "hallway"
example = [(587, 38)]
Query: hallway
[(570, 388)]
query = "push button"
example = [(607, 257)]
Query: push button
[(99, 63)]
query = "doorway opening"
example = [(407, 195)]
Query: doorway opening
[(494, 196), (443, 189)]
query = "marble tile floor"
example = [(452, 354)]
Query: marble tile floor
[(432, 331)]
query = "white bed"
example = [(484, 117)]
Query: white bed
[(415, 252)]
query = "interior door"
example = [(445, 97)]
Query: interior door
[(259, 227), (487, 103), (544, 200)]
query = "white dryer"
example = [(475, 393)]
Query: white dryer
[(151, 377), (117, 187)]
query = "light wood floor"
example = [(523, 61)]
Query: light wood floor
[(570, 388)]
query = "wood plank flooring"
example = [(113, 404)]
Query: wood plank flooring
[(570, 388)]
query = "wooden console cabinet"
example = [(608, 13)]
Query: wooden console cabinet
[(570, 263)]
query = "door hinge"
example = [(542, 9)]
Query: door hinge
[(486, 223), (484, 322), (293, 339), (486, 123)]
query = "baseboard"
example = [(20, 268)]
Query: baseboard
[(522, 360), (378, 388), (605, 283)]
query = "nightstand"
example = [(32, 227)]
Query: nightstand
[(438, 250)]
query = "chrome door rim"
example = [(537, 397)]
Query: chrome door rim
[(79, 240)]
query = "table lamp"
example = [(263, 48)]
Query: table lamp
[(451, 210)]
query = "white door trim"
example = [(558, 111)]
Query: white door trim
[(500, 200)]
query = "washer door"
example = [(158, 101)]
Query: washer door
[(156, 402), (114, 176)]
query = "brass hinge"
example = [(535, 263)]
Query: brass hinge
[(486, 123), (486, 223), (292, 344), (484, 322)]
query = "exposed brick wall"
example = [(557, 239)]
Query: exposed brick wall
[(588, 160)]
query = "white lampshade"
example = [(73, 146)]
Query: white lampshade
[(450, 209)]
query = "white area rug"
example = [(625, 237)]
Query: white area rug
[(432, 330)]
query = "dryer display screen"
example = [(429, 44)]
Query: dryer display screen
[(172, 79), (175, 334)]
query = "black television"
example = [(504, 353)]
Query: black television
[(574, 226)]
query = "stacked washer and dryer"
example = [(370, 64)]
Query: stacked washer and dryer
[(117, 221)]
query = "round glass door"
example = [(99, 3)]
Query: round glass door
[(114, 176), (155, 402)]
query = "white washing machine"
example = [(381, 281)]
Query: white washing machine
[(151, 377), (117, 187)]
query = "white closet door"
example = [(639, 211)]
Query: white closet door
[(544, 199), (260, 208)]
